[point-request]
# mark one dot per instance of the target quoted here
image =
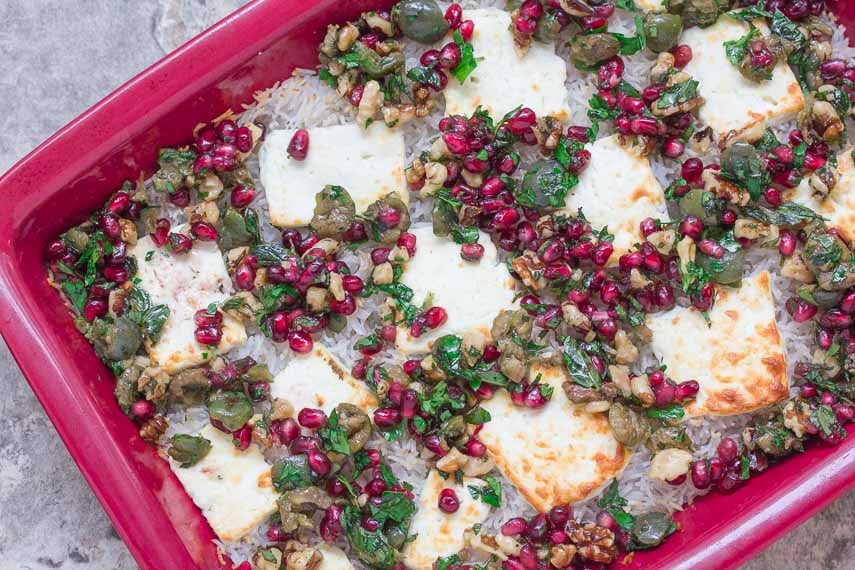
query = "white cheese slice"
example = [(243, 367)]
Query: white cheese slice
[(839, 206), (318, 380), (556, 455), (738, 108), (334, 558), (186, 283), (233, 488), (440, 534), (738, 359), (368, 163), (472, 293), (618, 190), (504, 80)]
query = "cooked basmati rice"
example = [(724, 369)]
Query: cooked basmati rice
[(305, 101)]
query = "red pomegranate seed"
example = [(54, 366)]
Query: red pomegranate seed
[(276, 534), (602, 252), (467, 28), (847, 303), (453, 15), (522, 122), (298, 148), (835, 319), (352, 284), (456, 143), (412, 367), (375, 487), (180, 243), (346, 306), (630, 261), (534, 398), (109, 224), (180, 198), (387, 417), (118, 203), (610, 293), (692, 170), (813, 161), (711, 247), (692, 226), (605, 519), (664, 393), (245, 277), (435, 317), (593, 22), (319, 462), (311, 418), (203, 231), (686, 390), (330, 526), (94, 308), (514, 526), (645, 125), (727, 450), (682, 56), (287, 430), (528, 557), (300, 342), (472, 251), (531, 9), (475, 448), (429, 59), (582, 250), (209, 336), (202, 318), (800, 310), (448, 501), (242, 196), (449, 56), (673, 147), (552, 251), (142, 410), (787, 243)]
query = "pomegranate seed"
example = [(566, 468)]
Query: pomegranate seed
[(787, 243), (203, 231), (94, 308), (300, 341), (552, 251), (472, 251), (287, 430), (467, 28), (142, 410), (242, 195), (408, 242), (491, 353), (180, 198), (505, 219), (525, 26), (773, 196), (800, 310), (346, 306), (653, 261), (180, 243), (118, 203), (605, 519), (319, 462), (387, 417), (453, 15), (664, 393), (409, 404), (448, 501), (692, 170), (813, 161), (847, 303), (514, 526), (370, 524), (727, 450), (298, 147), (558, 537), (475, 448), (630, 261), (528, 557), (202, 318), (109, 224), (607, 328), (412, 367), (531, 9), (686, 390), (209, 336), (522, 122), (560, 515), (375, 487), (593, 22), (449, 56), (311, 418), (682, 56), (352, 284), (276, 534), (824, 338), (645, 125), (304, 444), (827, 398), (712, 248), (602, 252), (692, 227), (429, 59), (245, 277), (728, 217), (632, 105), (673, 147), (435, 317), (610, 293), (534, 398), (835, 319), (330, 525), (651, 93)]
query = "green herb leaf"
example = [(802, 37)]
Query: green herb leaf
[(465, 234), (787, 214), (371, 547), (328, 77), (426, 75), (467, 58), (490, 494), (669, 413), (448, 353), (825, 419), (269, 254), (788, 30), (628, 5), (632, 44), (678, 94), (146, 314), (293, 472), (334, 436), (395, 506), (579, 365), (76, 292), (736, 50), (744, 468), (477, 416)]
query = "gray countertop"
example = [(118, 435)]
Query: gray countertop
[(49, 518)]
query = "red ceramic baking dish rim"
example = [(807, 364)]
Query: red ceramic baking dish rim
[(73, 172)]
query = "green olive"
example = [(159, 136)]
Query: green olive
[(726, 270), (701, 13), (188, 450), (662, 31), (122, 339), (234, 231), (629, 427), (384, 229), (443, 218), (292, 472), (668, 437), (701, 204), (512, 5), (739, 158), (825, 251), (544, 185), (650, 529), (421, 20), (334, 212), (76, 239), (591, 49), (232, 409)]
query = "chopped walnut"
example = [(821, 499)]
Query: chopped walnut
[(574, 317), (530, 269), (128, 231), (627, 353), (593, 542), (281, 409), (383, 274), (372, 96), (640, 386), (435, 176), (664, 64), (346, 36), (337, 286), (637, 280), (795, 267), (752, 229), (686, 250), (153, 429), (415, 174), (562, 555), (452, 461), (316, 299), (663, 241), (211, 187), (724, 189), (620, 377)]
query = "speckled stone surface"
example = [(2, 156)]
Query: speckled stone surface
[(48, 516)]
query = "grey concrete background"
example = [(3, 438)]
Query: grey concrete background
[(59, 57)]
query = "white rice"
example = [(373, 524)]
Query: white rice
[(305, 101)]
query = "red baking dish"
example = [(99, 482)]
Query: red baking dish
[(71, 174)]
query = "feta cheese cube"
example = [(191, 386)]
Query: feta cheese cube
[(186, 283), (368, 163), (556, 455), (318, 380), (504, 80), (839, 206), (440, 534), (472, 293), (738, 359), (618, 190), (233, 488), (738, 108)]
